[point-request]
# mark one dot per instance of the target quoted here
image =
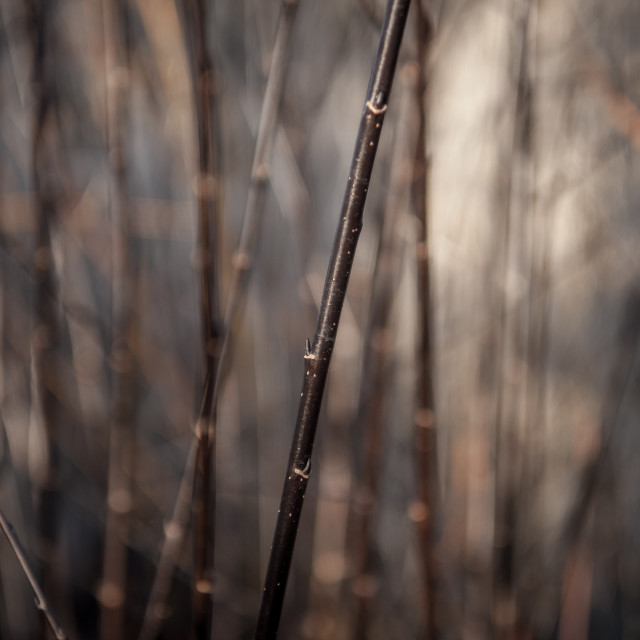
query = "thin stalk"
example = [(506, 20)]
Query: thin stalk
[(41, 601), (533, 398), (621, 386), (112, 594), (243, 258), (242, 263), (209, 205), (424, 512), (318, 354), (506, 445)]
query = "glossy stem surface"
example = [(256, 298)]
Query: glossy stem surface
[(318, 354)]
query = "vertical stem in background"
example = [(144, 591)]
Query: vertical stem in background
[(242, 263), (243, 258), (112, 593), (318, 354), (424, 511), (507, 449), (536, 338), (208, 193), (44, 336), (374, 390)]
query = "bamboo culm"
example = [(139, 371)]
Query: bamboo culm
[(318, 354)]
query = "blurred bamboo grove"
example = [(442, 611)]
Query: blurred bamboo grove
[(171, 177)]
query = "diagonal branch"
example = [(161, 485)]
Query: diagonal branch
[(318, 355), (41, 601)]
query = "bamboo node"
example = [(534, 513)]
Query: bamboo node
[(119, 501), (204, 585), (241, 260), (365, 586), (418, 511), (425, 419), (172, 530), (306, 472), (43, 258), (376, 110), (110, 595)]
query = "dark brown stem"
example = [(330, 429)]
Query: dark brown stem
[(209, 205), (318, 354)]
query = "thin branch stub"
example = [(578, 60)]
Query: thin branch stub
[(376, 110)]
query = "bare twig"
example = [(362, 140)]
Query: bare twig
[(41, 601), (318, 354)]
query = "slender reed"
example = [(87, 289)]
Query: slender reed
[(209, 205), (112, 593), (41, 601), (318, 354), (243, 260), (424, 511)]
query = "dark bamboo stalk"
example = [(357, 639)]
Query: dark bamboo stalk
[(242, 263), (318, 354), (195, 17), (41, 601)]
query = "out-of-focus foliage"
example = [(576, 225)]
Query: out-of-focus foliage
[(533, 190)]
